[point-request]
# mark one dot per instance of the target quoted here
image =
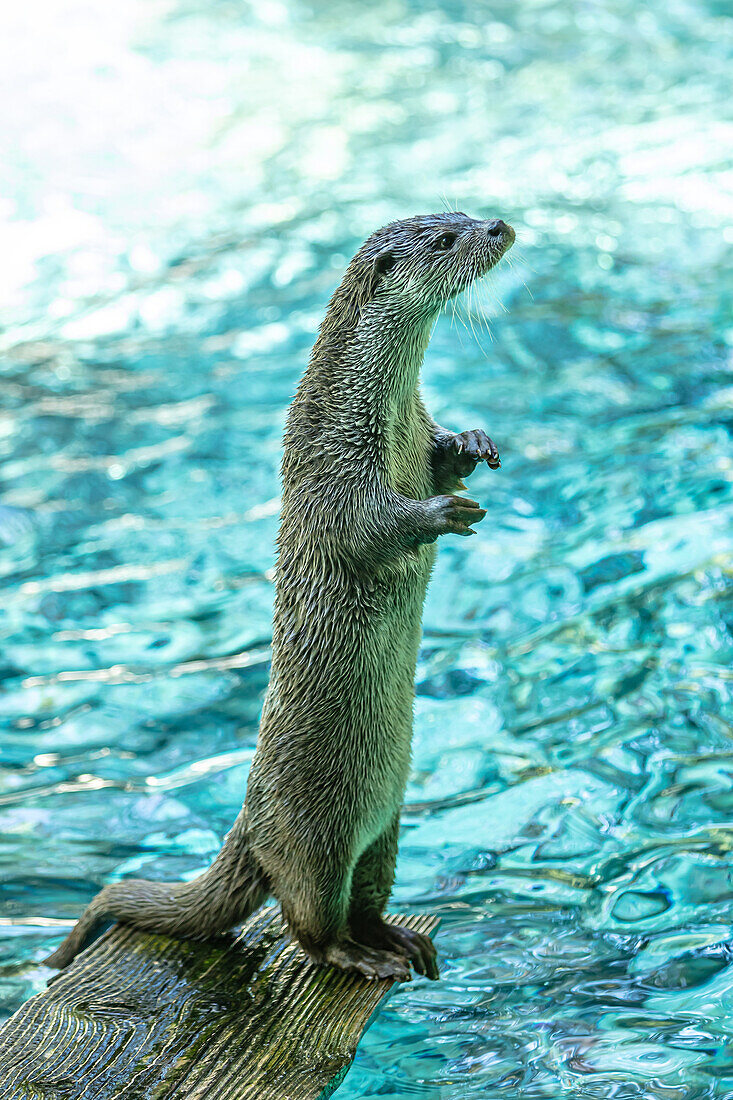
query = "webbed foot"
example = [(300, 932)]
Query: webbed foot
[(373, 963), (416, 946)]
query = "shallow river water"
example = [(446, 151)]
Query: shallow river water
[(182, 185)]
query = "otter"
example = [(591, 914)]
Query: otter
[(369, 484)]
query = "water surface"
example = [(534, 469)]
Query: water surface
[(181, 188)]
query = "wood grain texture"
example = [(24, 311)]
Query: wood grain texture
[(143, 1017)]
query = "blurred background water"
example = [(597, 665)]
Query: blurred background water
[(182, 184)]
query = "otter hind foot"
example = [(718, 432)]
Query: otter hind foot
[(416, 946), (372, 963)]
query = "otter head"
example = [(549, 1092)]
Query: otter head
[(420, 263)]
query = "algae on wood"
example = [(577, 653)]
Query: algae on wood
[(143, 1017)]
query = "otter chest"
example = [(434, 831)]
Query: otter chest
[(409, 450)]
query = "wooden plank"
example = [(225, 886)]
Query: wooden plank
[(142, 1017)]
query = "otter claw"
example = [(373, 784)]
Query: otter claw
[(469, 448)]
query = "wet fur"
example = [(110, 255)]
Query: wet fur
[(365, 476)]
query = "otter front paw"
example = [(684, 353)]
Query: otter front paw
[(465, 450), (449, 515)]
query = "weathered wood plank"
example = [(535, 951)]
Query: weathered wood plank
[(141, 1017)]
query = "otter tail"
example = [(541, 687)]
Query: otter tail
[(225, 895)]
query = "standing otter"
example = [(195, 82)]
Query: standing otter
[(368, 479)]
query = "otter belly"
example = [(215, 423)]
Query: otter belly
[(334, 743)]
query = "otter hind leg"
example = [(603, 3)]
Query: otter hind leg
[(316, 912), (371, 887)]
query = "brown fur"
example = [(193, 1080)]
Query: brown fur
[(365, 473)]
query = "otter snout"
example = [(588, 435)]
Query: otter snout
[(499, 228)]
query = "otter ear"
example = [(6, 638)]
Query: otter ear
[(383, 263)]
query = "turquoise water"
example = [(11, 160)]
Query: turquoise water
[(182, 186)]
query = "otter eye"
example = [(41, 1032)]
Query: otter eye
[(444, 242)]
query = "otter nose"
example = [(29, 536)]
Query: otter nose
[(495, 229)]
